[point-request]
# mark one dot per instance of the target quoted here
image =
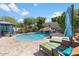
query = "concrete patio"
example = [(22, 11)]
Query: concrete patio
[(10, 47)]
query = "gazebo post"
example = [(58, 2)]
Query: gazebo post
[(0, 31), (50, 32)]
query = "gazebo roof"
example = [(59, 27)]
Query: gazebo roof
[(4, 22), (54, 25), (46, 29)]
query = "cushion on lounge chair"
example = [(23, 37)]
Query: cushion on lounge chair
[(49, 46), (59, 39), (57, 53), (67, 51)]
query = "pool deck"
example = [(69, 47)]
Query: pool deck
[(10, 47)]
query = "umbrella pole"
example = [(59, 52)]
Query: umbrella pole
[(71, 40), (72, 14)]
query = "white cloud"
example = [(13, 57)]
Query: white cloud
[(55, 14), (9, 7), (35, 4), (24, 13), (4, 7), (20, 20), (13, 7)]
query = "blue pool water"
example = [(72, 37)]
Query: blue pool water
[(32, 36)]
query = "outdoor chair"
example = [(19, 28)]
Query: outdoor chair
[(60, 47), (62, 40), (56, 46), (59, 39), (54, 49)]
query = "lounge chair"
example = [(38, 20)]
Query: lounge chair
[(55, 49), (75, 44), (59, 39), (55, 46), (62, 40), (52, 48)]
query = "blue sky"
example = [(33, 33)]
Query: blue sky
[(22, 10)]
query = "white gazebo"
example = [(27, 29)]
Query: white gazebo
[(6, 27)]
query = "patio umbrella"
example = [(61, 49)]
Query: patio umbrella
[(68, 23)]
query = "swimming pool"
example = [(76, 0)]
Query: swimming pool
[(32, 36)]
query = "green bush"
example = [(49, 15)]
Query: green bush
[(34, 28), (22, 30)]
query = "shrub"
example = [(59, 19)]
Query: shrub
[(22, 30), (34, 28)]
